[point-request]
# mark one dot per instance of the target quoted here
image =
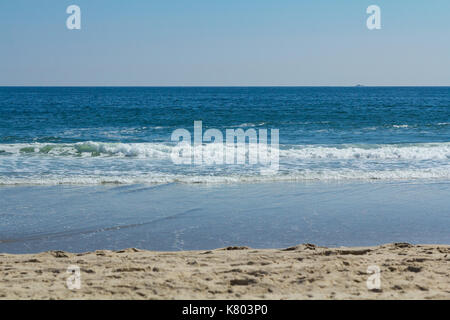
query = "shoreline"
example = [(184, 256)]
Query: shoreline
[(302, 272)]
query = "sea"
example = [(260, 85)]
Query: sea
[(89, 168)]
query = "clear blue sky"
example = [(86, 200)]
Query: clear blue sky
[(218, 42)]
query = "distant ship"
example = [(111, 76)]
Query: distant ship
[(359, 85)]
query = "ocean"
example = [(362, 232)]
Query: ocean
[(86, 168)]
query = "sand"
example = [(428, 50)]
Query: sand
[(302, 272)]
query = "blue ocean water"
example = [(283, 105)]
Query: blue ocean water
[(87, 168), (116, 135)]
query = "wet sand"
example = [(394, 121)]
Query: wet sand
[(301, 272)]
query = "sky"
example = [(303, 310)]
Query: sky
[(225, 43)]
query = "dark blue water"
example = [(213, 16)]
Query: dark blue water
[(304, 115)]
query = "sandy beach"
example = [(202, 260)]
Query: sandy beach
[(302, 272)]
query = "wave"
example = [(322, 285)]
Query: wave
[(420, 151), (400, 126), (94, 163), (423, 151), (300, 176), (250, 124), (86, 149)]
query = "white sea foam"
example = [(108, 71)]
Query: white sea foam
[(428, 151), (92, 163), (421, 151), (144, 150), (306, 175), (250, 125)]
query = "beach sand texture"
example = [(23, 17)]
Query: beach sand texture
[(302, 272)]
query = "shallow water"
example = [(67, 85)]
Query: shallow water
[(187, 217)]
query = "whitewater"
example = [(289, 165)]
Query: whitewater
[(91, 163)]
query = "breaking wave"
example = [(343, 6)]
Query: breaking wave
[(92, 163), (421, 151)]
